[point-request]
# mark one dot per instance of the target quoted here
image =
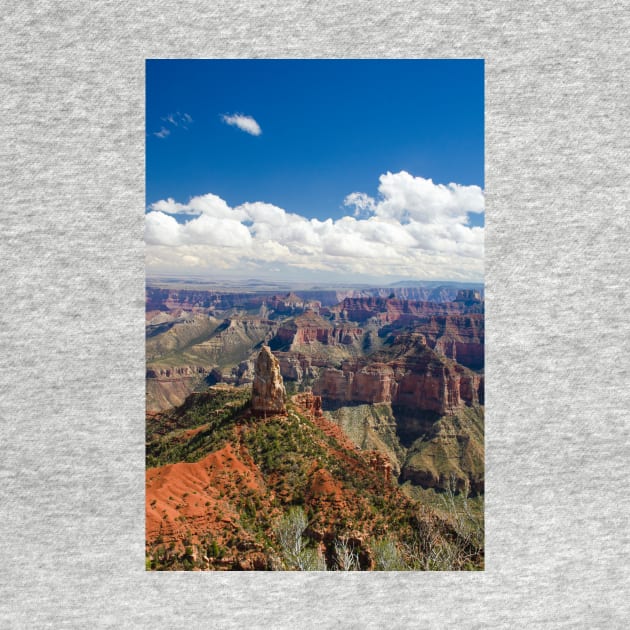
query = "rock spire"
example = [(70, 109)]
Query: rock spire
[(268, 393)]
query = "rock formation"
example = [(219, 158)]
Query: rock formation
[(380, 464), (469, 296), (310, 405), (268, 393), (388, 310), (169, 386), (454, 329), (310, 328), (183, 371), (417, 378)]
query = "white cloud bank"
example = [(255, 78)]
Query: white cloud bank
[(415, 229), (244, 123)]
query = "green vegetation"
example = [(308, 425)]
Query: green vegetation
[(279, 442), (387, 556), (216, 410), (300, 499)]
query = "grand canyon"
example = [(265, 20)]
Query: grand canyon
[(315, 429)]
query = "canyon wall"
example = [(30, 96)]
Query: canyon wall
[(442, 388)]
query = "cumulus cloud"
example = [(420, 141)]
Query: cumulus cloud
[(363, 204), (414, 229), (208, 204), (244, 123), (160, 229), (407, 198)]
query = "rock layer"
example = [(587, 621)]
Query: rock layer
[(416, 378), (310, 328)]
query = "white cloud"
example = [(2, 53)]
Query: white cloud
[(161, 229), (178, 120), (209, 204), (407, 198), (244, 123), (216, 232), (363, 204), (415, 229), (172, 121), (170, 206)]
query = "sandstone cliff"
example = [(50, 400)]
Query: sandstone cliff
[(412, 375)]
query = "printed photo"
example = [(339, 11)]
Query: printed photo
[(314, 315)]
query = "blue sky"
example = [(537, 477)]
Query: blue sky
[(311, 133)]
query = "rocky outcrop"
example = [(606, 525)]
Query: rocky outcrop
[(311, 405), (468, 296), (310, 328), (458, 337), (357, 381), (268, 393), (291, 304), (207, 513), (296, 366), (380, 464)]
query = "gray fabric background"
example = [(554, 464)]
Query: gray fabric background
[(71, 333)]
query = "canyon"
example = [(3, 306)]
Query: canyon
[(417, 360), (396, 381)]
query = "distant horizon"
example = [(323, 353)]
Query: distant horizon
[(352, 171), (192, 280)]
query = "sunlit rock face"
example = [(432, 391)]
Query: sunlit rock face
[(268, 393)]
